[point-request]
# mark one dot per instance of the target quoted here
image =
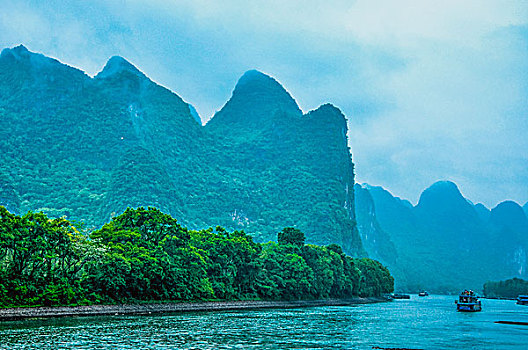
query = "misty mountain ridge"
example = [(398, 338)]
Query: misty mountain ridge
[(256, 99), (445, 242), (87, 148), (118, 65)]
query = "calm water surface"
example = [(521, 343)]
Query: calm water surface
[(427, 323)]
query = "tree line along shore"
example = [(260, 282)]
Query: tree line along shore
[(144, 255), (510, 288)]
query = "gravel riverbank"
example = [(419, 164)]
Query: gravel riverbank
[(145, 309)]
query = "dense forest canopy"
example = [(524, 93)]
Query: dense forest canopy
[(145, 255), (511, 288)]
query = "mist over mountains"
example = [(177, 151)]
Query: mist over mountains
[(88, 148), (445, 243)]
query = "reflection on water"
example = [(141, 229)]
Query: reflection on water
[(428, 323)]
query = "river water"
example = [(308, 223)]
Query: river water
[(420, 323)]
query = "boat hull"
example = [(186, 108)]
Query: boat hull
[(401, 296), (468, 308), (522, 300)]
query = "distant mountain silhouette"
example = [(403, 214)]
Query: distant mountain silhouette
[(445, 243)]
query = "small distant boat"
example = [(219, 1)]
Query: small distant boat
[(468, 302), (423, 294), (522, 300), (401, 296)]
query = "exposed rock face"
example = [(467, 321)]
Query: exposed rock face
[(376, 241)]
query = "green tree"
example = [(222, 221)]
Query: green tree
[(284, 275), (148, 258), (231, 259), (291, 235), (42, 259)]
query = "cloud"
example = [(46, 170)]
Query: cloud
[(432, 89), (460, 113)]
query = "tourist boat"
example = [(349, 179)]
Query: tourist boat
[(423, 294), (522, 300), (401, 296), (468, 301)]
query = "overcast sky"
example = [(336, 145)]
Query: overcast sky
[(432, 90)]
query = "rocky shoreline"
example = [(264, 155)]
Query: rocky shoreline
[(146, 309)]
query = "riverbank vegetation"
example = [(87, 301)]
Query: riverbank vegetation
[(511, 288), (145, 255)]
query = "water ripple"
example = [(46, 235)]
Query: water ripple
[(428, 323)]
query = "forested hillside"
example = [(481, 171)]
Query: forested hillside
[(87, 148)]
